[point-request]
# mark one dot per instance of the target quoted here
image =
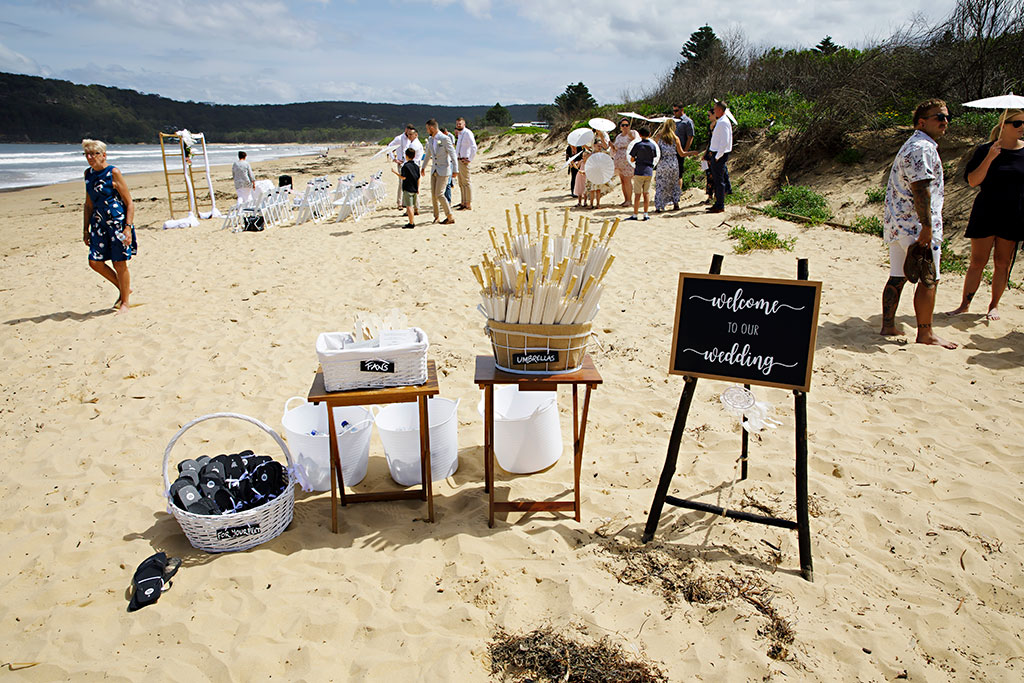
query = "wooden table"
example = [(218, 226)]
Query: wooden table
[(487, 375), (363, 397)]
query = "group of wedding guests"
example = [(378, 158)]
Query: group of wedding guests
[(670, 144)]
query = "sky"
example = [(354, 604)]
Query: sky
[(415, 51)]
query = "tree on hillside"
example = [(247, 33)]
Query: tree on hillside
[(827, 46), (547, 112), (703, 43), (575, 100), (497, 116)]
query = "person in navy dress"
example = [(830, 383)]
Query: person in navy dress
[(109, 229)]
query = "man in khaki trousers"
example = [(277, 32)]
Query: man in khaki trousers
[(441, 150), (465, 150)]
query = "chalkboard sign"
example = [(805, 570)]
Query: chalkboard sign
[(748, 330)]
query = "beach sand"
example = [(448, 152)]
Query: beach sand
[(916, 493)]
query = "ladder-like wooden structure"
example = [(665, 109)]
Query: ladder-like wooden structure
[(172, 146)]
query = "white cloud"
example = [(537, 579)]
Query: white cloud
[(478, 8), (253, 22), (17, 63)]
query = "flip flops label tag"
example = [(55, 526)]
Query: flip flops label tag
[(238, 532), (377, 366)]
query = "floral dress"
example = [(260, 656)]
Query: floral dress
[(666, 178), (619, 145), (106, 225)]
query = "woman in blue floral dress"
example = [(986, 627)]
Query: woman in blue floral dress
[(109, 229)]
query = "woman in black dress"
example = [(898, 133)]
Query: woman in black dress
[(997, 217)]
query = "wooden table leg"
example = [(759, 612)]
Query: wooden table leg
[(578, 448), (426, 474), (489, 451), (336, 472)]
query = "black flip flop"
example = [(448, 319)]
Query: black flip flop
[(185, 494), (187, 465), (266, 480), (151, 579)]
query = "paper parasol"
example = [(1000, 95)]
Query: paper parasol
[(1010, 101), (581, 137), (661, 119), (572, 159), (601, 124), (629, 148), (634, 115), (390, 147), (600, 168)]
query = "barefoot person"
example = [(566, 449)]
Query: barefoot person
[(913, 215), (109, 229), (997, 217)]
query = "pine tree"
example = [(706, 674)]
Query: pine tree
[(497, 116), (827, 46), (702, 44), (575, 100)]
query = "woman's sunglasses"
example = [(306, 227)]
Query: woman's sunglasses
[(1016, 124)]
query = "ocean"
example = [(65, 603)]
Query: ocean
[(32, 165)]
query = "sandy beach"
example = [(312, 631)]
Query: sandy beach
[(916, 494)]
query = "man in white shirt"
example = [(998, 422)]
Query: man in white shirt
[(465, 150), (441, 150), (403, 141), (913, 216), (720, 146)]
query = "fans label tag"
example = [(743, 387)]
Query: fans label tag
[(238, 532), (377, 366), (535, 357)]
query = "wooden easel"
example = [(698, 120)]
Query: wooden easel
[(802, 523)]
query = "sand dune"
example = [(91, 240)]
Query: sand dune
[(915, 468)]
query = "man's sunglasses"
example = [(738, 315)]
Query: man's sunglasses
[(940, 117)]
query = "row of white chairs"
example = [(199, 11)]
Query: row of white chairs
[(319, 201), (360, 198), (315, 202), (273, 204)]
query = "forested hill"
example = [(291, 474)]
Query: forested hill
[(47, 110)]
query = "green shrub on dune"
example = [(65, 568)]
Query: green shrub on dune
[(798, 200)]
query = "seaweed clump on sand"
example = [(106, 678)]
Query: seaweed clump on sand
[(543, 655), (678, 576)]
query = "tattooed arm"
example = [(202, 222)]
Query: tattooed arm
[(923, 207)]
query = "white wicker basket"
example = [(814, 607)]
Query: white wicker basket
[(234, 530), (371, 368)]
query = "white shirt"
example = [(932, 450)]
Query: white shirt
[(465, 146), (918, 159), (721, 137), (404, 143)]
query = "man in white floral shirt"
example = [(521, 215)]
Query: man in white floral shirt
[(913, 214)]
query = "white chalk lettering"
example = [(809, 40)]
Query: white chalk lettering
[(736, 303), (742, 357)]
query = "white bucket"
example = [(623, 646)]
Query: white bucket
[(399, 428), (527, 433), (306, 430)]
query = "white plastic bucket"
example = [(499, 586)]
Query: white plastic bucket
[(399, 428), (527, 433), (305, 427)]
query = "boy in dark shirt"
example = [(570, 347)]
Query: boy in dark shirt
[(643, 154), (410, 176)]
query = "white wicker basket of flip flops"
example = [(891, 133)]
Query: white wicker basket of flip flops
[(234, 530)]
